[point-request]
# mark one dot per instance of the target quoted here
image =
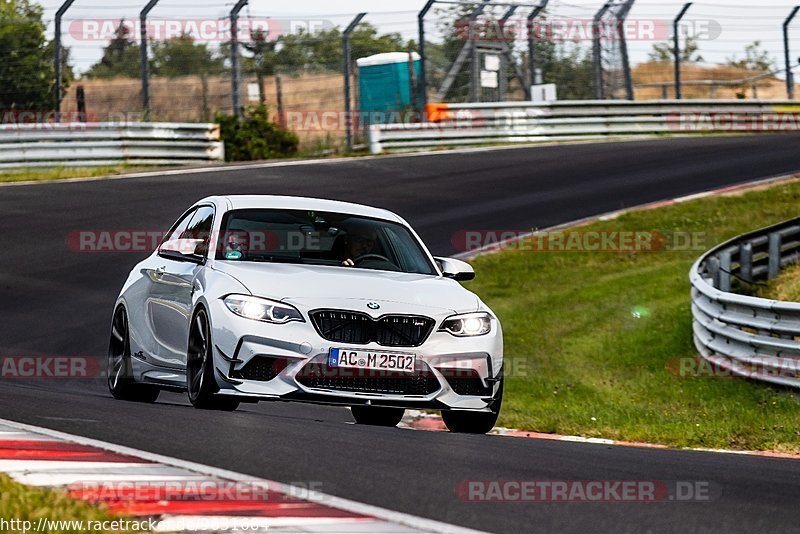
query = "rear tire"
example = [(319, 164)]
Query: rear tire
[(200, 382), (464, 422), (377, 416), (120, 372)]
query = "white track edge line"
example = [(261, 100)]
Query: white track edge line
[(425, 525)]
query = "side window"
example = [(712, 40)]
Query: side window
[(200, 228), (179, 228)]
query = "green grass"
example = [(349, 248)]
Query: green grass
[(786, 287), (26, 503), (589, 336), (61, 173)]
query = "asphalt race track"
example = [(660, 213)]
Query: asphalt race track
[(54, 301)]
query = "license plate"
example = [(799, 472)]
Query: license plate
[(369, 359)]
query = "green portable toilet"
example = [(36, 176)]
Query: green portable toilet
[(385, 86)]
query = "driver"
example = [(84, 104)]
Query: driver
[(360, 241), (236, 243)]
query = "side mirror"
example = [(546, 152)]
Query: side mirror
[(458, 270), (189, 250)]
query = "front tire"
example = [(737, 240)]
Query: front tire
[(377, 416), (464, 422), (200, 382), (120, 372)]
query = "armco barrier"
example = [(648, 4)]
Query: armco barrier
[(525, 122), (748, 336), (100, 144)]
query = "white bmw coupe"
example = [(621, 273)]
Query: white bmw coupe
[(253, 298)]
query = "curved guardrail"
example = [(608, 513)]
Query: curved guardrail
[(744, 335), (100, 144)]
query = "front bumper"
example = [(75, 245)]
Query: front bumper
[(258, 361)]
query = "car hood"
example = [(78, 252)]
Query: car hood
[(322, 286)]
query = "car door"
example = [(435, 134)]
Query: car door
[(181, 256)]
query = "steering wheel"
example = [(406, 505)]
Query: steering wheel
[(373, 257)]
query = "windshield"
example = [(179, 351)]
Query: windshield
[(320, 238)]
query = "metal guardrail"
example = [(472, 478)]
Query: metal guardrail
[(100, 144), (524, 122), (748, 336)]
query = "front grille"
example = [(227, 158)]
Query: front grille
[(320, 376), (466, 382), (261, 369), (359, 328)]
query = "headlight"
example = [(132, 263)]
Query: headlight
[(468, 325), (259, 309)]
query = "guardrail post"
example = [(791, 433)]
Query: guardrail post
[(713, 270), (746, 261), (375, 139), (774, 256), (725, 271)]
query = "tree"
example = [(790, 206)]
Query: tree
[(27, 73), (665, 53), (322, 50), (121, 57), (755, 59), (262, 61), (181, 56), (569, 66)]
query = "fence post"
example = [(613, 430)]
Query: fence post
[(235, 74), (532, 41), (348, 108), (677, 49), (80, 95), (143, 58), (626, 65), (279, 98), (57, 58), (423, 76), (787, 54), (597, 53)]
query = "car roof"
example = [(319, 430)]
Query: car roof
[(240, 202)]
